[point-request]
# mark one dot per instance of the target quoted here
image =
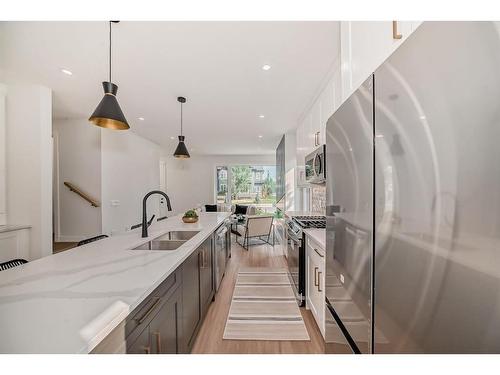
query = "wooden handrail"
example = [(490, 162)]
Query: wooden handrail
[(75, 190)]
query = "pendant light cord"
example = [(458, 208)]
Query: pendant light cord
[(109, 51), (181, 118)]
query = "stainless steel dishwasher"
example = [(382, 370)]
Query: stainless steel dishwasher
[(220, 242)]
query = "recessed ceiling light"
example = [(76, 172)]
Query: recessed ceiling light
[(172, 137), (423, 117), (379, 136), (261, 116), (67, 72), (141, 118), (260, 136), (266, 67)]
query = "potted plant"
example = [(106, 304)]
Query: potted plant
[(190, 216)]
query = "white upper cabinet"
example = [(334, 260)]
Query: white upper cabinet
[(365, 45)]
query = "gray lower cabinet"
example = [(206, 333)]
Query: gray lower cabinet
[(163, 333), (191, 315), (168, 320), (165, 330), (142, 344), (207, 279), (198, 290)]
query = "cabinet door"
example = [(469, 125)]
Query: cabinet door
[(207, 288), (315, 272), (315, 130), (165, 328), (190, 299), (141, 345), (301, 152), (327, 109), (364, 47)]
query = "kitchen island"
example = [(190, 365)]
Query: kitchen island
[(70, 302)]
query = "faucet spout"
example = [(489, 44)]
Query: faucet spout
[(144, 213)]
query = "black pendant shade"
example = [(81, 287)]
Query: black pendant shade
[(108, 113), (181, 151)]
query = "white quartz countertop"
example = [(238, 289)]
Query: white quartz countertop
[(70, 301), (317, 235)]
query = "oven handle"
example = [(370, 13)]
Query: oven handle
[(293, 237)]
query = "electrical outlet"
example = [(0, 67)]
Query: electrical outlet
[(341, 278)]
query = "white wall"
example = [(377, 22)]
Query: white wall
[(3, 169), (29, 163), (78, 161), (130, 169), (191, 182)]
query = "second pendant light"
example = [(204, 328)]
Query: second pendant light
[(181, 151)]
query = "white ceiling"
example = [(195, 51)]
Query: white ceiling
[(216, 65)]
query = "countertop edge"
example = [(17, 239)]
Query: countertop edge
[(317, 235), (100, 336)]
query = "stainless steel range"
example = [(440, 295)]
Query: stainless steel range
[(296, 257)]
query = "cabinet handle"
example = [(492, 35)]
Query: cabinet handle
[(317, 252), (316, 276), (200, 260), (395, 33), (147, 350), (158, 341), (319, 286), (146, 314), (204, 258)]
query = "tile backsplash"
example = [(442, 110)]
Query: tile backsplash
[(318, 198)]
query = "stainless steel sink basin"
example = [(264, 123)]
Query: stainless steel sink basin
[(169, 241), (179, 235), (166, 245)]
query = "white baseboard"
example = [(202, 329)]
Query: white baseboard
[(70, 238)]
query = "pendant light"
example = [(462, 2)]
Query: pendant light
[(108, 113), (181, 151)]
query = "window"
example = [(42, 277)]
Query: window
[(221, 185), (247, 184)]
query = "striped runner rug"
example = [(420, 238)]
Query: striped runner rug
[(264, 307)]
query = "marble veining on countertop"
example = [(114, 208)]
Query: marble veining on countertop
[(70, 301), (318, 235)]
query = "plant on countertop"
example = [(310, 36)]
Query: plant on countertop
[(191, 213)]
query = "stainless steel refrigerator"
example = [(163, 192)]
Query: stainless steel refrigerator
[(413, 199)]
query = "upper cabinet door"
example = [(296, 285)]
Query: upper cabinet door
[(365, 45), (315, 130)]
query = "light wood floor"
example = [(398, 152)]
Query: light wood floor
[(62, 246), (209, 338)]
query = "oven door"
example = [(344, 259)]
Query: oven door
[(293, 259)]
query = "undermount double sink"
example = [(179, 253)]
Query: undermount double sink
[(169, 241)]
